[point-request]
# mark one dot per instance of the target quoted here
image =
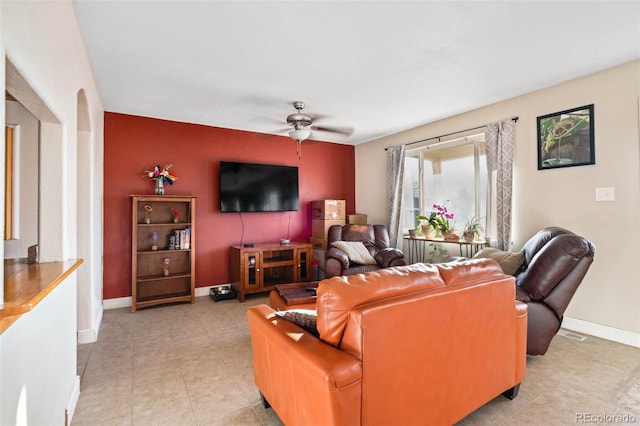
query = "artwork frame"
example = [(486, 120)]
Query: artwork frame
[(566, 138)]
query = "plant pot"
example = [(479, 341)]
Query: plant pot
[(450, 236), (427, 231), (412, 233), (469, 236)]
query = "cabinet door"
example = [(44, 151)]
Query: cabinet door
[(303, 265), (252, 262)]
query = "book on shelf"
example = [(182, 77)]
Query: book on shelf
[(182, 239)]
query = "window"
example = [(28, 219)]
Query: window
[(453, 173)]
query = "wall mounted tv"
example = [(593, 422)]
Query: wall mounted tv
[(249, 187)]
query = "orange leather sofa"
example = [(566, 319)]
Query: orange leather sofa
[(408, 345)]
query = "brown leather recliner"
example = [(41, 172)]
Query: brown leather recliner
[(375, 239), (555, 262)]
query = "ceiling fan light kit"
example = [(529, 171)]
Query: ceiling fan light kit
[(302, 126), (299, 135)]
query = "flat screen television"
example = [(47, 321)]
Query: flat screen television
[(250, 187)]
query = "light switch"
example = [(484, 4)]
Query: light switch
[(605, 194)]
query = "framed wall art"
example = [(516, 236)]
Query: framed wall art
[(565, 138)]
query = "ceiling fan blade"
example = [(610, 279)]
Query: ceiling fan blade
[(348, 131), (316, 117), (281, 131)]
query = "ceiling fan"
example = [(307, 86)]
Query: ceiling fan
[(302, 125)]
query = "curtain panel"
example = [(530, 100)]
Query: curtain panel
[(499, 146), (395, 184)]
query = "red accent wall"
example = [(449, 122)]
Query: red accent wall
[(134, 144)]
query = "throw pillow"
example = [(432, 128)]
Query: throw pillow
[(356, 252), (305, 318), (510, 262)]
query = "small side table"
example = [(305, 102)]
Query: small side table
[(417, 247), (294, 295)]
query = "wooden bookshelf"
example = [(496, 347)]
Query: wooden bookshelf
[(154, 217)]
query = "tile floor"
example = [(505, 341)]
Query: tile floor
[(191, 365)]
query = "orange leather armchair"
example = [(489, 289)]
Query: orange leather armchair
[(416, 344)]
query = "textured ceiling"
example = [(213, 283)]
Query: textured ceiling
[(379, 67)]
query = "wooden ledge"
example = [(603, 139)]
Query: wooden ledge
[(26, 286)]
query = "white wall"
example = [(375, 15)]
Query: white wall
[(25, 180), (49, 67), (609, 297), (39, 357)]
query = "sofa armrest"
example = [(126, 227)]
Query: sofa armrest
[(339, 255), (521, 340), (291, 364), (389, 257), (336, 262)]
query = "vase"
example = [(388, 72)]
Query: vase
[(427, 231), (159, 187)]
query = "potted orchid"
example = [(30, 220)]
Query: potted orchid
[(442, 221), (425, 225)]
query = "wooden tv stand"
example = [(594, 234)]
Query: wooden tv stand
[(259, 268)]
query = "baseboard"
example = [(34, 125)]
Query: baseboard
[(203, 291), (91, 335), (117, 303), (87, 336), (70, 409), (605, 332), (125, 302)]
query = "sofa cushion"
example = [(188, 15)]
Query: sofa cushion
[(338, 295), (510, 262), (356, 252), (305, 318)]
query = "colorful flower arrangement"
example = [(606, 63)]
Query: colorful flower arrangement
[(161, 173)]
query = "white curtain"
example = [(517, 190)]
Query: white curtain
[(499, 144), (395, 183)]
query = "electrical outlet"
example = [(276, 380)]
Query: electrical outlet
[(605, 194)]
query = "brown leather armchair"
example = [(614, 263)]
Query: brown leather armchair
[(555, 262), (375, 239)]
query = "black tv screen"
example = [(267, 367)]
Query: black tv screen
[(249, 187)]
